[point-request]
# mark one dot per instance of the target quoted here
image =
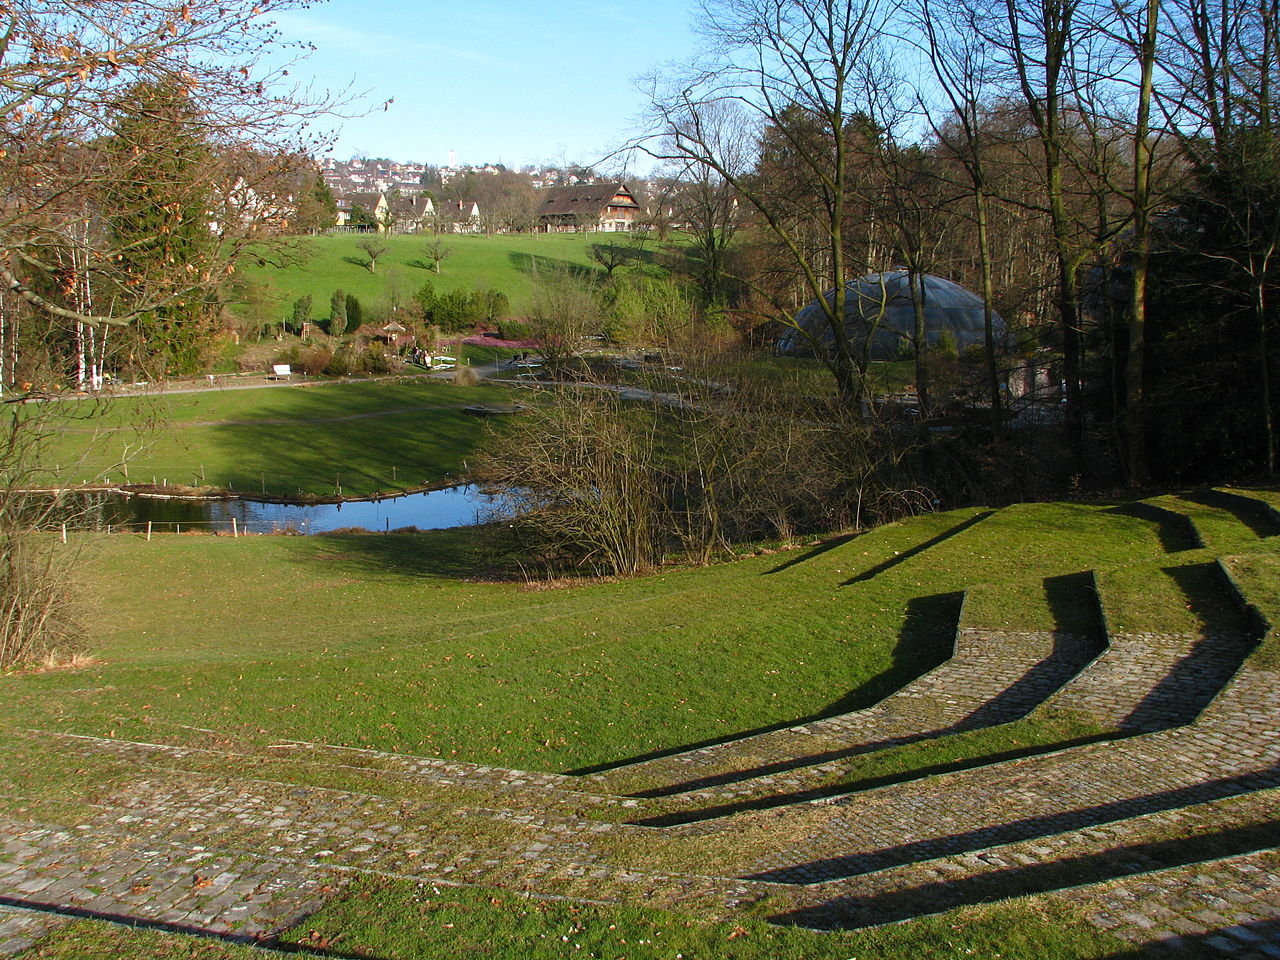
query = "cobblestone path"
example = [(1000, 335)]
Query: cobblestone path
[(1074, 789), (20, 929)]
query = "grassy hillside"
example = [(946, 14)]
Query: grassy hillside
[(507, 263), (385, 642), (231, 649)]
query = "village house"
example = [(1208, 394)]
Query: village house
[(606, 207), (372, 203), (410, 214)]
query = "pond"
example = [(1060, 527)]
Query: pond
[(434, 510)]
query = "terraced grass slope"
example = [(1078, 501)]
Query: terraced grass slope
[(1050, 727)]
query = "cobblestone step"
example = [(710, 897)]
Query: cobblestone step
[(1236, 742), (1229, 908), (516, 785), (21, 929), (1140, 682), (165, 841), (99, 872), (1166, 839)]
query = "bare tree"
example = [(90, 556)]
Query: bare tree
[(799, 73), (1220, 56), (960, 64), (66, 70), (373, 249), (611, 255), (564, 310), (437, 252), (78, 264)]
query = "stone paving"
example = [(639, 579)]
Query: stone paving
[(1072, 789), (1167, 837), (21, 929)]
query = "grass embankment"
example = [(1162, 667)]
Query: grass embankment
[(284, 440), (506, 263), (380, 641)]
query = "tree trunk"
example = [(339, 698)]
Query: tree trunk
[(988, 314), (1135, 398)]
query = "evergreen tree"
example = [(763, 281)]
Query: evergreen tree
[(317, 208), (301, 313), (161, 226), (354, 313), (337, 314)]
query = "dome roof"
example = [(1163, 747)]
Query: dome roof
[(880, 305)]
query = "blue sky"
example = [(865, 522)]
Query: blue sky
[(510, 81)]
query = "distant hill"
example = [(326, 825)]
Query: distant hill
[(505, 262)]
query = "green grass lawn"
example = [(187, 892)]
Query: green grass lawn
[(400, 920), (379, 641), (373, 436), (507, 263), (391, 643)]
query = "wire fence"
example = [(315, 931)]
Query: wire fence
[(233, 527)]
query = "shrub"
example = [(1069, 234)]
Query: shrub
[(337, 324), (946, 346), (515, 330), (315, 360), (465, 376)]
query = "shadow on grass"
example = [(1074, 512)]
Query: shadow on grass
[(532, 263), (436, 554), (1177, 531), (819, 550), (357, 262), (858, 786), (1254, 514), (1244, 939), (183, 929), (1197, 678), (1014, 831), (387, 452), (1073, 603), (1078, 638), (1035, 878), (923, 642), (918, 549), (1077, 641)]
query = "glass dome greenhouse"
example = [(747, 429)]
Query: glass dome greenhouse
[(880, 306)]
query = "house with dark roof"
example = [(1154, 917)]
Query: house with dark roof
[(375, 204), (607, 207)]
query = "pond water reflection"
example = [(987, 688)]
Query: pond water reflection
[(434, 510)]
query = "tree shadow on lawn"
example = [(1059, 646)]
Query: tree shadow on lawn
[(924, 641), (453, 554), (315, 458), (532, 263), (1256, 515)]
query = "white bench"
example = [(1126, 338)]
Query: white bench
[(280, 371)]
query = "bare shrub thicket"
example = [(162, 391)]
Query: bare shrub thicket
[(37, 596), (699, 460)]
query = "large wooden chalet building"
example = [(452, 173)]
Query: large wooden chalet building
[(607, 207)]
